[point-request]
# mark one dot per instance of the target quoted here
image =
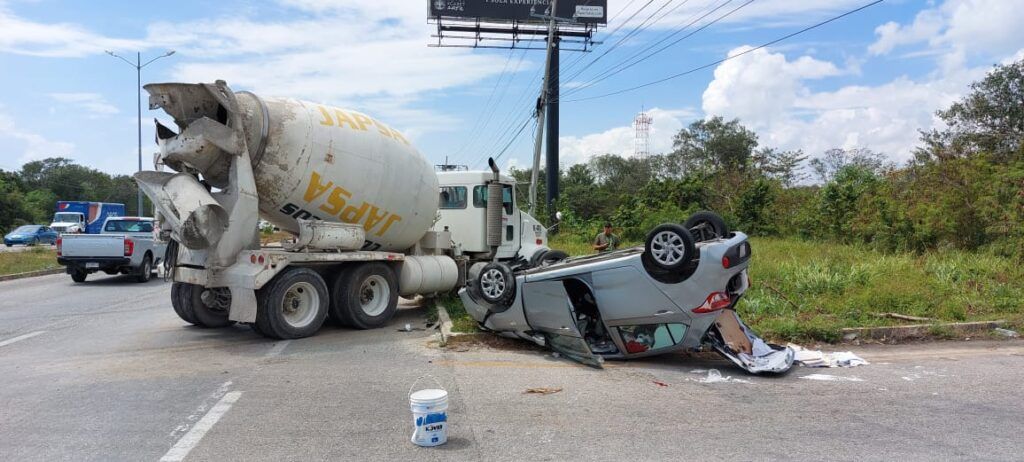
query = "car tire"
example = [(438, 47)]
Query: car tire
[(79, 275), (145, 270), (34, 242), (9, 245), (547, 257), (669, 247), (183, 310), (496, 284), (705, 226), (365, 296), (211, 315), (292, 305)]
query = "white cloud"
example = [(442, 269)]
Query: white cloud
[(21, 146), (620, 140), (989, 28), (93, 103), (25, 37), (768, 93)]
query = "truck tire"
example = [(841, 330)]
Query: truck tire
[(145, 270), (179, 307), (547, 257), (365, 296), (496, 284), (705, 226), (292, 305), (78, 275), (208, 307), (669, 247)]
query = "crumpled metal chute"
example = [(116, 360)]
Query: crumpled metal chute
[(197, 219)]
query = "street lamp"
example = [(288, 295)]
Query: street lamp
[(138, 65)]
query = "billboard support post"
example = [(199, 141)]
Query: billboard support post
[(541, 109)]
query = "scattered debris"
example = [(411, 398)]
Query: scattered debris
[(660, 384), (903, 317), (715, 377), (541, 391), (815, 358), (1006, 332), (831, 378)]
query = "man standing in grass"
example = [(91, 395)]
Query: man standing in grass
[(605, 240)]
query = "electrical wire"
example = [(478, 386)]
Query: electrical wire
[(727, 58)]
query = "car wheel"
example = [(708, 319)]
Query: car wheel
[(145, 270), (292, 305), (547, 257), (179, 306), (8, 245), (78, 275), (365, 296), (705, 226), (669, 247), (34, 242), (208, 307), (496, 284)]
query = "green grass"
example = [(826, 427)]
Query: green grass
[(35, 259), (807, 291)]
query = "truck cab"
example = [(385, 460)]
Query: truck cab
[(462, 211), (68, 222)]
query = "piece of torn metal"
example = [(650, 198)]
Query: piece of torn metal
[(815, 358)]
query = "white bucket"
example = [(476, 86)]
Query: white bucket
[(429, 415)]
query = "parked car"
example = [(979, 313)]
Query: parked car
[(671, 294), (31, 235), (125, 245)]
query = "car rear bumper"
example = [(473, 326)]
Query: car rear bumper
[(94, 263)]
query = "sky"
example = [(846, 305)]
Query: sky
[(873, 79)]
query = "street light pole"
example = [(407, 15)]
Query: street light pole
[(138, 65)]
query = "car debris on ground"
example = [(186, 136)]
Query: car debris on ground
[(815, 358), (542, 391)]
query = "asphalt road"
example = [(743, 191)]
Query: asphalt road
[(106, 371)]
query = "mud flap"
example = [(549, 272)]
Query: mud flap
[(737, 342)]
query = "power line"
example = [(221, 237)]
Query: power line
[(520, 132), (613, 70), (727, 58), (579, 58)]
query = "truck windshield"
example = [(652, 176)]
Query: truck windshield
[(128, 226), (67, 217)]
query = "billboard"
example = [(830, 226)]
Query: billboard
[(583, 11)]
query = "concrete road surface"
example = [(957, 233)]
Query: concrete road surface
[(105, 371)]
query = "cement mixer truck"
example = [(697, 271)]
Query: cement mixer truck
[(370, 218)]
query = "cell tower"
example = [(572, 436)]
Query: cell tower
[(642, 141)]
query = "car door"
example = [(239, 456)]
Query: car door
[(643, 320), (549, 311)]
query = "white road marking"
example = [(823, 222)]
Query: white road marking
[(21, 337), (195, 435), (277, 349)]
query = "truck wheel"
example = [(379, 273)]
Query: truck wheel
[(208, 307), (180, 307), (496, 284), (145, 270), (669, 247), (705, 226), (78, 275), (292, 305), (365, 296)]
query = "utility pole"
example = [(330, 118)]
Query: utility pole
[(138, 65), (542, 106), (552, 129)]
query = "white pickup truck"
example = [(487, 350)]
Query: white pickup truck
[(125, 245)]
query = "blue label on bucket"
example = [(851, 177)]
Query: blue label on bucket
[(432, 418)]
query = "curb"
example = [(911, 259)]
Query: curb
[(915, 331), (32, 274), (446, 324)]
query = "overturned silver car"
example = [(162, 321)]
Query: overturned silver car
[(677, 292)]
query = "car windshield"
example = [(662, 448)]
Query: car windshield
[(128, 226), (27, 229), (65, 217)]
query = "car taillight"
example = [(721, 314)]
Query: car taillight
[(725, 262), (60, 241), (129, 247), (716, 301)]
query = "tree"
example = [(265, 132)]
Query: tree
[(708, 146), (989, 119), (829, 164), (782, 166)]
